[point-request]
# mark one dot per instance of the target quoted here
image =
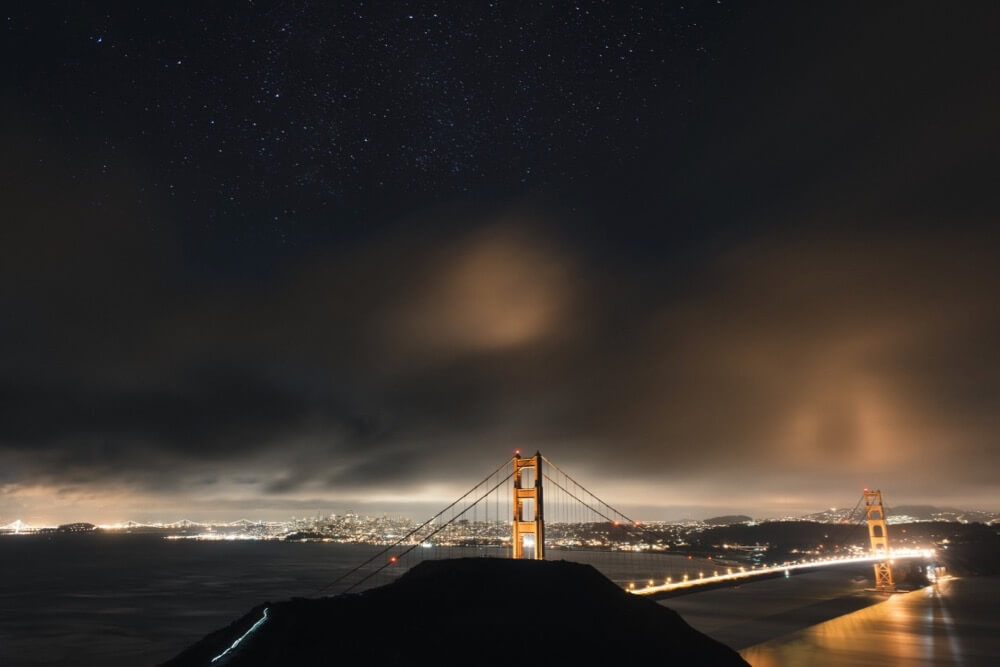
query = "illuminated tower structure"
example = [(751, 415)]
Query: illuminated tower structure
[(879, 536), (536, 526)]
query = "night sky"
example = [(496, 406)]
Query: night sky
[(271, 258)]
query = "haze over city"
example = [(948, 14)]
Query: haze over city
[(291, 258)]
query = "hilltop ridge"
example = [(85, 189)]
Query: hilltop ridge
[(467, 611)]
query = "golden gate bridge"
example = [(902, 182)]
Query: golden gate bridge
[(530, 508)]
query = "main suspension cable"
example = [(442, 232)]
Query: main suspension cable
[(850, 524), (414, 531), (592, 495), (430, 535)]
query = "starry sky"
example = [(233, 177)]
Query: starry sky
[(273, 258)]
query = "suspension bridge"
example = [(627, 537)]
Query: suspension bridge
[(530, 508)]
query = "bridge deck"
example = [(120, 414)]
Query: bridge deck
[(742, 574)]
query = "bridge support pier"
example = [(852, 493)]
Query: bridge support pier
[(536, 526)]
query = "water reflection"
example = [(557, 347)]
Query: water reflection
[(955, 622)]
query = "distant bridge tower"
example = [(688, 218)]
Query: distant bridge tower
[(535, 527), (879, 539)]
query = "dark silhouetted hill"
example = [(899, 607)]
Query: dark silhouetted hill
[(727, 520), (471, 611)]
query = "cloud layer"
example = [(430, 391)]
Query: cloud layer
[(779, 373), (758, 292)]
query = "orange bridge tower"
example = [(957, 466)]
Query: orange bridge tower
[(535, 526), (880, 540)]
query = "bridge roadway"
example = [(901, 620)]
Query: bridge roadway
[(741, 574)]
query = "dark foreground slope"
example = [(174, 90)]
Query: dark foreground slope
[(468, 611)]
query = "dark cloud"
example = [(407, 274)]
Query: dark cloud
[(806, 364)]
